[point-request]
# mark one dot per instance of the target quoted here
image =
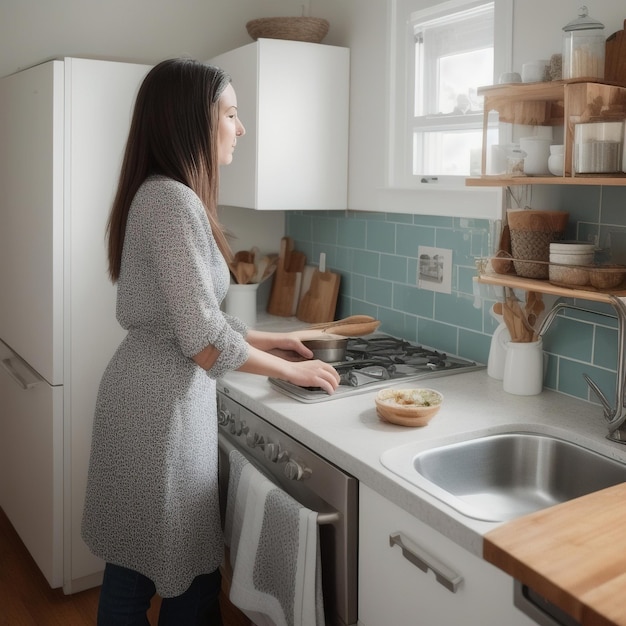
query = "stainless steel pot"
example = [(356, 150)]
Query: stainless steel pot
[(331, 350)]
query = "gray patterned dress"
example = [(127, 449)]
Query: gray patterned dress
[(152, 490)]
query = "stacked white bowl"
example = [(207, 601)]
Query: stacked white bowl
[(570, 262)]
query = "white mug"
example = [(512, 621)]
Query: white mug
[(523, 368)]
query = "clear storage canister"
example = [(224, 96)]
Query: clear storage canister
[(583, 47)]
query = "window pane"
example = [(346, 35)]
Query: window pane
[(453, 57), (447, 152), (460, 75)]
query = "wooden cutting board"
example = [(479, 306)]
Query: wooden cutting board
[(318, 304), (574, 554), (284, 291)]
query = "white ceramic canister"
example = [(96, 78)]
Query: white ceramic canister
[(523, 368), (535, 71), (556, 160), (572, 252), (537, 151), (241, 302)]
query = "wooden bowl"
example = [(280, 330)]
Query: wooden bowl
[(408, 407), (607, 276)]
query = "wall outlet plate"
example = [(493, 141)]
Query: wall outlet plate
[(434, 269)]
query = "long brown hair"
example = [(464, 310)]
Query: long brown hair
[(173, 132)]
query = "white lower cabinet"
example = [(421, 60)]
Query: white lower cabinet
[(393, 590)]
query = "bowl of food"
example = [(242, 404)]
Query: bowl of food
[(408, 407)]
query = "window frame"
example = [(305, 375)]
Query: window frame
[(401, 82)]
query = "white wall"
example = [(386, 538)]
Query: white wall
[(146, 31)]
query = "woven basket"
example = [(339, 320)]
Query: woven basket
[(532, 232), (310, 29)]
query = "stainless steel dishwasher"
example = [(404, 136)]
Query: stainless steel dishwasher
[(311, 480)]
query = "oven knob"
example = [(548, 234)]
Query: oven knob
[(223, 417), (239, 428), (273, 452), (254, 440), (296, 471)]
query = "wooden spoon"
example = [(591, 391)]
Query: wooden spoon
[(242, 272)]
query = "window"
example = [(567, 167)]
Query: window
[(442, 54)]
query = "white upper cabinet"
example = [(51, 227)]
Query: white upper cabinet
[(293, 100)]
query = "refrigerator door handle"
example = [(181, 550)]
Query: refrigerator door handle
[(21, 373)]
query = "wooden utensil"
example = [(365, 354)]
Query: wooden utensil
[(320, 302), (284, 290), (515, 319), (352, 326), (242, 272)]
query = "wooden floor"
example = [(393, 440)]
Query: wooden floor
[(26, 599)]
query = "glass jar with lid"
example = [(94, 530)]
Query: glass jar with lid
[(583, 47)]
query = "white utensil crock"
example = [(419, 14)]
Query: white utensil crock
[(240, 302), (523, 368)]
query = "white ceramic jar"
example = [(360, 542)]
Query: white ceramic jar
[(556, 160), (537, 151), (569, 262)]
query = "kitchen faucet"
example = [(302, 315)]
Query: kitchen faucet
[(615, 416)]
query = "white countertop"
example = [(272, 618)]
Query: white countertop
[(348, 432)]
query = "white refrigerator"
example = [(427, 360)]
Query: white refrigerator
[(63, 128)]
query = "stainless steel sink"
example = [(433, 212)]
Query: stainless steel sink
[(500, 477)]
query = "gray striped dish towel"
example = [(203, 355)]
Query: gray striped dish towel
[(274, 551)]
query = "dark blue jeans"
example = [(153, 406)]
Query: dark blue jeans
[(125, 599)]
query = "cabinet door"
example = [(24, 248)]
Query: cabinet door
[(392, 590), (31, 214), (31, 461), (293, 100), (100, 96)]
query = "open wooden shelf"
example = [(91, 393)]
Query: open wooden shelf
[(561, 104), (543, 286), (618, 180)]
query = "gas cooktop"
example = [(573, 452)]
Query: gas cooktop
[(377, 361)]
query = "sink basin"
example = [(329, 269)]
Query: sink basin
[(501, 477)]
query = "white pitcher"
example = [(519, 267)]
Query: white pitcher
[(497, 351)]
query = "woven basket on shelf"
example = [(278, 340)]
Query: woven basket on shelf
[(310, 29), (532, 232)]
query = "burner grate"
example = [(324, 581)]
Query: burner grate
[(373, 362)]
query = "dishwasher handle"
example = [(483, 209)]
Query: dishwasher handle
[(425, 561)]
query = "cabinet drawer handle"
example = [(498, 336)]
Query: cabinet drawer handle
[(425, 561), (11, 366)]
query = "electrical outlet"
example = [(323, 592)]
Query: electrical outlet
[(434, 269)]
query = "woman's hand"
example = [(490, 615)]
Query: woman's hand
[(304, 372), (313, 373), (286, 345)]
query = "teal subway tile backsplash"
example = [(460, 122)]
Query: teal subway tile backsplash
[(381, 237), (377, 257), (393, 267), (409, 237)]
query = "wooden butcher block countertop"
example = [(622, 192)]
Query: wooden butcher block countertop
[(573, 554)]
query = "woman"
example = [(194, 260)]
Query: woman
[(151, 508)]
